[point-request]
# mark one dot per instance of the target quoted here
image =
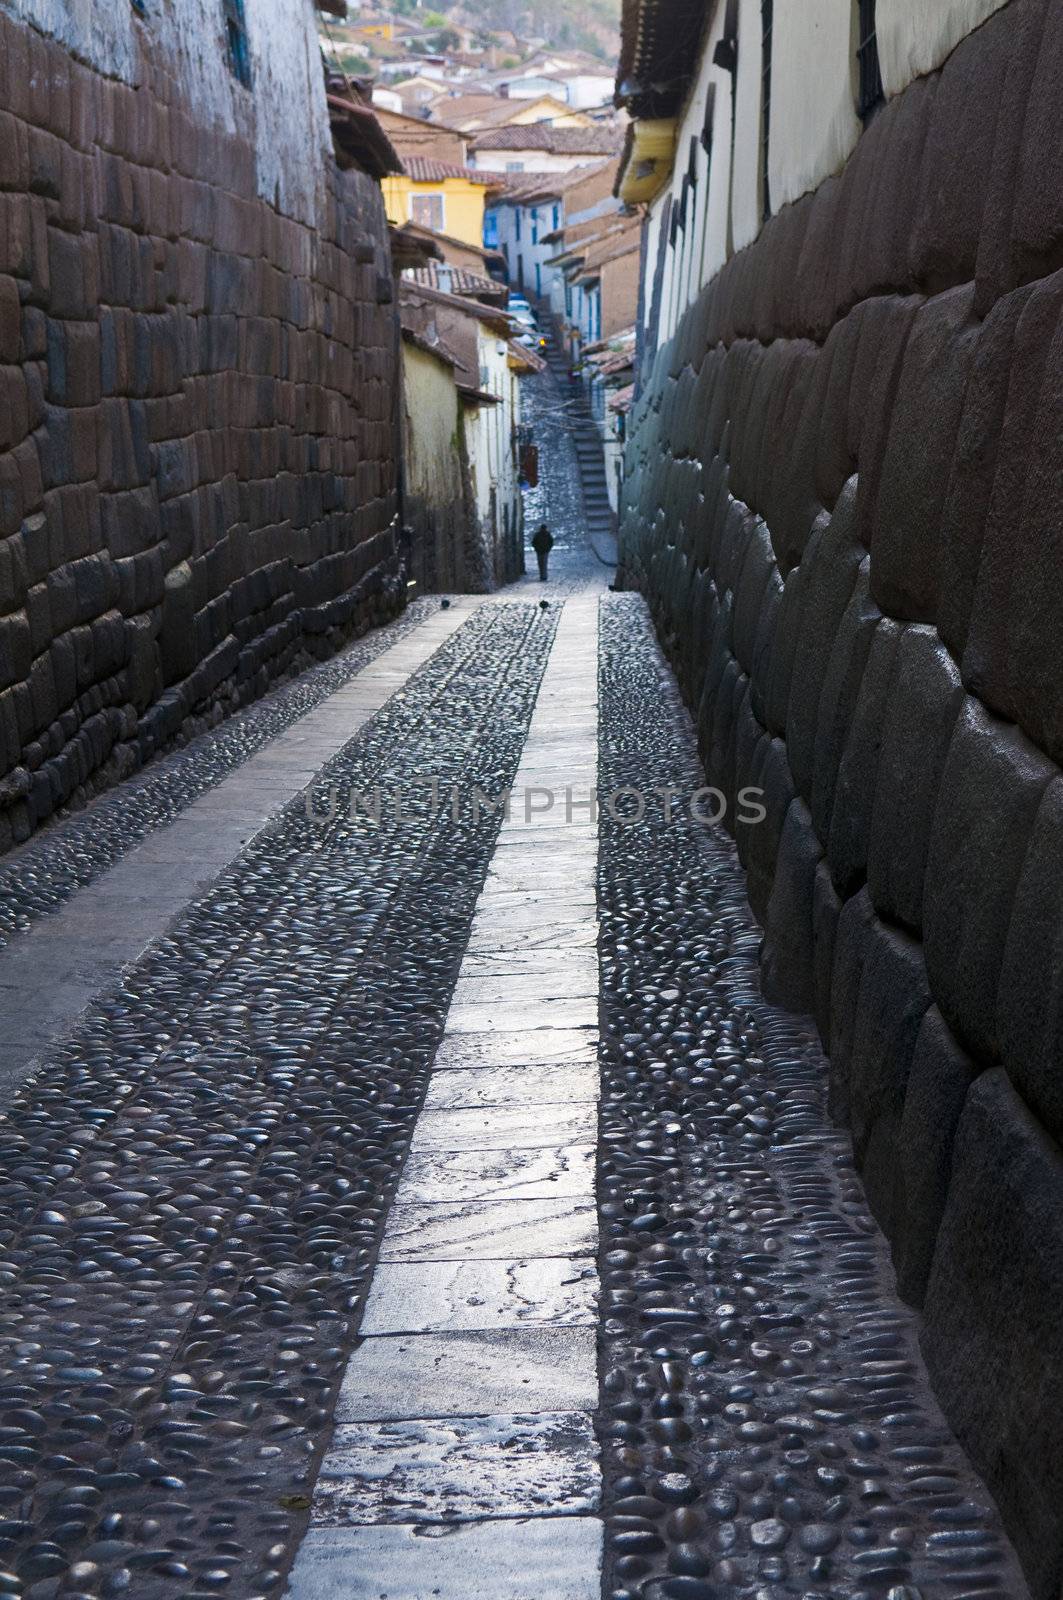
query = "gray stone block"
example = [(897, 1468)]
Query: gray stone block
[(915, 469), (989, 665), (780, 662), (884, 328), (992, 1334), (826, 909), (974, 467), (771, 773), (924, 702), (831, 563), (893, 998), (756, 568), (997, 267), (786, 961), (1030, 997), (839, 695), (991, 787), (851, 938), (958, 158), (939, 1078)]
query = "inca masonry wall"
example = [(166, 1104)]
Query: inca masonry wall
[(197, 385), (844, 502)]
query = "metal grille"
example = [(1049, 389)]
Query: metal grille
[(767, 17), (870, 93)]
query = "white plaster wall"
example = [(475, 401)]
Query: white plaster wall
[(283, 114), (587, 90), (746, 201), (814, 126), (916, 36), (533, 160), (714, 248)]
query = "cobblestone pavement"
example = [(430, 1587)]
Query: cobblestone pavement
[(304, 1225), (191, 1192), (767, 1427), (74, 851)]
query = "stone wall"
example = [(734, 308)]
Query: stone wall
[(845, 505), (197, 390), (448, 549)]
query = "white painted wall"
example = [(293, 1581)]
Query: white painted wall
[(814, 125), (587, 89), (530, 160), (284, 114), (916, 36), (746, 202)]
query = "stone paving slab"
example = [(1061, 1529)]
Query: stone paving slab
[(436, 1296), (547, 1558), (451, 1088), (459, 1469), (503, 1174), (542, 1046), (501, 1016), (497, 1189), (471, 1374), (499, 1127), (491, 1231)]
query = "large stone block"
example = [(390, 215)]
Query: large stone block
[(755, 570), (924, 701), (786, 963), (851, 938), (826, 909), (997, 267), (958, 158), (939, 1078), (974, 467), (842, 683), (792, 507), (771, 774), (892, 1000), (990, 667), (905, 525), (992, 1335), (836, 450), (885, 324), (991, 787), (1030, 996), (830, 564), (1037, 217), (885, 177)]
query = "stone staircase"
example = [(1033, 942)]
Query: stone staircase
[(599, 515)]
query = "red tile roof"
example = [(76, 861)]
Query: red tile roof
[(422, 169), (593, 141)]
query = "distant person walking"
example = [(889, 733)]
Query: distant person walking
[(542, 544)]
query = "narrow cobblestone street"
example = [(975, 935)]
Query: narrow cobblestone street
[(398, 1200)]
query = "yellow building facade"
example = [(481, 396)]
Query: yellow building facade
[(443, 202)]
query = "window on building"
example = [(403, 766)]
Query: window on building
[(869, 93), (427, 210), (236, 41), (514, 166), (767, 10), (535, 224), (557, 217), (517, 221)]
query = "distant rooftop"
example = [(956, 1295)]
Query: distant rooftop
[(592, 141)]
